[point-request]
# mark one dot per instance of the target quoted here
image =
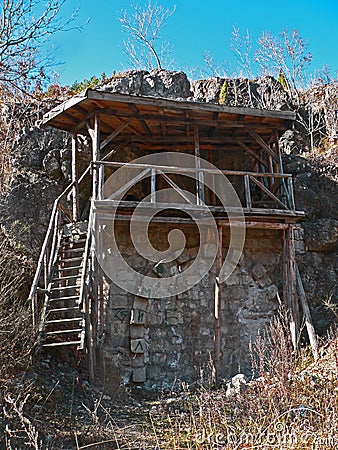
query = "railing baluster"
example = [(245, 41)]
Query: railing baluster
[(153, 186), (291, 199), (247, 191)]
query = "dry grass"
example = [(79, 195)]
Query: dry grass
[(15, 325), (292, 404)]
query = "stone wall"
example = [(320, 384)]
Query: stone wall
[(163, 342)]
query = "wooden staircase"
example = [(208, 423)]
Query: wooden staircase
[(62, 322)]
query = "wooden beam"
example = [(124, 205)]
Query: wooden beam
[(142, 121), (217, 306), (200, 175), (96, 155), (251, 152), (107, 205), (187, 120), (92, 94), (75, 191), (262, 143), (115, 133)]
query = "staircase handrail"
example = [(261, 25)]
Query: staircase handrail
[(50, 233), (83, 304)]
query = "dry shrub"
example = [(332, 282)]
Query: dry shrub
[(291, 405), (16, 335)]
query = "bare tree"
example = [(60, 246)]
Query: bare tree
[(25, 26), (241, 46), (144, 46), (287, 52)]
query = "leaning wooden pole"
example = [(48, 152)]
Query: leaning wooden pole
[(217, 306), (307, 315)]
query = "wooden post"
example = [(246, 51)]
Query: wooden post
[(217, 306), (247, 191), (75, 190), (291, 292), (153, 186), (96, 155), (200, 176), (95, 266)]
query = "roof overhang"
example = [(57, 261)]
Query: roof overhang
[(159, 121)]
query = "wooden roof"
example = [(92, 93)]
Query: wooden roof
[(157, 122)]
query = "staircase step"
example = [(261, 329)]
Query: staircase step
[(61, 344), (60, 332), (62, 269), (73, 250), (70, 277), (63, 288), (72, 242), (66, 260), (61, 299), (72, 308), (73, 319)]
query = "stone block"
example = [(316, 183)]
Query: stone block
[(271, 292), (119, 301), (138, 360), (138, 316), (140, 303), (136, 331), (139, 375), (264, 281), (258, 271), (137, 345), (120, 315), (183, 257)]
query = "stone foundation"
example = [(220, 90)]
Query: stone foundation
[(163, 342)]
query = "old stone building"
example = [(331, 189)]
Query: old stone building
[(181, 235)]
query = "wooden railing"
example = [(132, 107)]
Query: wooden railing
[(252, 188), (59, 215)]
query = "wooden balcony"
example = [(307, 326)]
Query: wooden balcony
[(191, 189)]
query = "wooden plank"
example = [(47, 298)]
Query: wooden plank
[(108, 205)]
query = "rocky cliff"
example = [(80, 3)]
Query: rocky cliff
[(40, 169)]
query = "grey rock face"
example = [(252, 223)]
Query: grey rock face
[(321, 235), (157, 83)]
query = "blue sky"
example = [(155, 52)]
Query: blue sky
[(196, 26)]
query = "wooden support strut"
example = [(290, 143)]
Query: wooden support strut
[(217, 307), (200, 175), (289, 284), (75, 190)]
